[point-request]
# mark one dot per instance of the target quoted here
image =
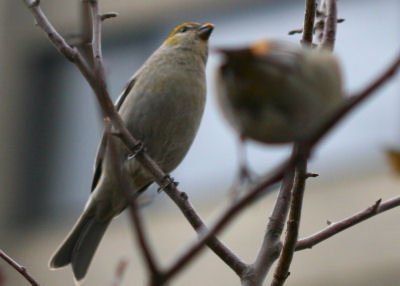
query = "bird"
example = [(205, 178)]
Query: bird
[(162, 106), (276, 92)]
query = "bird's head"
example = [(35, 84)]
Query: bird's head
[(190, 35)]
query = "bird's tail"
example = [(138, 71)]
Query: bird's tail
[(80, 245)]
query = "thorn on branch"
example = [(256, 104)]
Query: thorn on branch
[(328, 222), (108, 15), (375, 207), (295, 31), (311, 175)]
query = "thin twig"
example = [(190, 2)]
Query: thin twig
[(320, 23), (293, 224), (21, 269), (329, 34), (337, 227), (85, 38), (308, 26), (271, 245), (119, 272), (354, 101)]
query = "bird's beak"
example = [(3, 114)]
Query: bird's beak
[(205, 31)]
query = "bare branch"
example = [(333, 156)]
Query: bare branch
[(85, 38), (309, 18), (320, 17), (329, 34), (354, 101), (293, 224), (232, 211), (119, 272), (19, 268), (337, 227), (271, 245)]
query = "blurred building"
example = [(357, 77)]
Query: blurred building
[(50, 127)]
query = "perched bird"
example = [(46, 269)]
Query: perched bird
[(162, 106), (277, 92)]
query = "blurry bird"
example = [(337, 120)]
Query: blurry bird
[(162, 106), (277, 92)]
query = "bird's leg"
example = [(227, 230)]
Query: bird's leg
[(244, 177), (244, 173)]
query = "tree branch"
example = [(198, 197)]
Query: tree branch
[(335, 228), (329, 34), (22, 270), (271, 245), (309, 18), (293, 224)]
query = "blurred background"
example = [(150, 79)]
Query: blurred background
[(50, 127)]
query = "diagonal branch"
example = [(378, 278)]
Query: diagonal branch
[(19, 268), (334, 228)]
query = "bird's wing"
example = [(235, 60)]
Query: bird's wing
[(101, 150)]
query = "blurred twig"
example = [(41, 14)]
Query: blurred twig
[(119, 272), (308, 26), (334, 228), (329, 34), (21, 269)]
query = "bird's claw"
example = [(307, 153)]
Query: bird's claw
[(167, 182), (139, 148)]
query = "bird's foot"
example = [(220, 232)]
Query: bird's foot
[(166, 183)]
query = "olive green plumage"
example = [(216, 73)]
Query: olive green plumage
[(162, 106), (278, 92)]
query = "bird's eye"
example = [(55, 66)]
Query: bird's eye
[(183, 29)]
